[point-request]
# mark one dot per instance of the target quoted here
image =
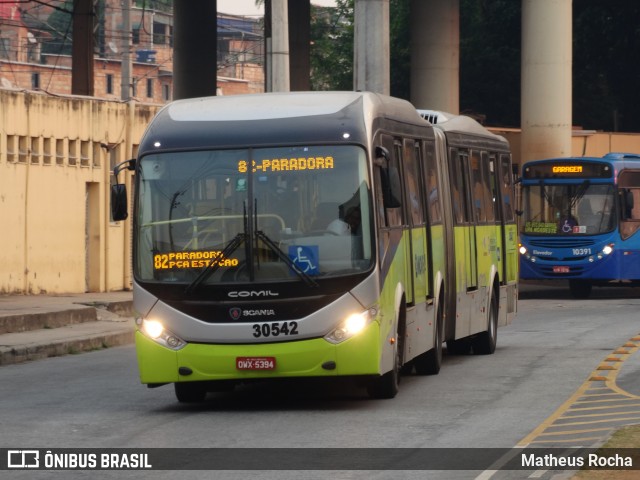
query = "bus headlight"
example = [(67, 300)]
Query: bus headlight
[(606, 250), (351, 326), (525, 253), (156, 332)]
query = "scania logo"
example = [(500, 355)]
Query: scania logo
[(252, 293), (237, 313)]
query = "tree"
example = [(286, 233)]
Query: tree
[(400, 48), (332, 47), (60, 26)]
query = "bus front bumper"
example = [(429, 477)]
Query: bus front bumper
[(359, 355), (618, 265)]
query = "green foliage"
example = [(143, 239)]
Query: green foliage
[(332, 47), (400, 48), (60, 26), (331, 54)]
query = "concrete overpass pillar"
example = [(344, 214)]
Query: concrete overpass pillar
[(371, 46), (195, 46), (435, 54), (546, 78), (299, 44), (279, 48)]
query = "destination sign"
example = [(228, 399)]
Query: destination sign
[(269, 165), (556, 169), (192, 259)]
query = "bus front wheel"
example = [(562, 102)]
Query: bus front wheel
[(387, 385)]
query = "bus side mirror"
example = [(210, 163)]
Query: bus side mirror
[(119, 210), (390, 177)]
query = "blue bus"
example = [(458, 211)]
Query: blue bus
[(580, 221)]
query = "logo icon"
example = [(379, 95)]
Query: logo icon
[(305, 257), (235, 313), (23, 459)]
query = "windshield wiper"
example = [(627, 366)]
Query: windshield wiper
[(216, 262), (290, 263), (582, 189)]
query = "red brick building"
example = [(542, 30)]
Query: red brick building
[(35, 50)]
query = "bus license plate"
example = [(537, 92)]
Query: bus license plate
[(256, 363), (560, 269)]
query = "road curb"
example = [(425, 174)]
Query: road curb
[(89, 341), (54, 319)]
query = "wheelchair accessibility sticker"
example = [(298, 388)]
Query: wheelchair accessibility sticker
[(305, 258)]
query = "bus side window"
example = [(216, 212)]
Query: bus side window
[(390, 185), (505, 176), (478, 191), (414, 195), (432, 191), (458, 192), (630, 211), (489, 184)]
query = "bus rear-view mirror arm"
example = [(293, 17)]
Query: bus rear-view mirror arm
[(119, 203)]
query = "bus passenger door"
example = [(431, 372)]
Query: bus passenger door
[(403, 155), (509, 229), (416, 220), (393, 247)]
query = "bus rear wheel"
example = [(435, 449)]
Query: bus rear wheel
[(485, 342), (429, 362), (580, 289)]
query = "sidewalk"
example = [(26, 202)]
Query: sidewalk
[(40, 326)]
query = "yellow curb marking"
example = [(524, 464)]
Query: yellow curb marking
[(575, 399)]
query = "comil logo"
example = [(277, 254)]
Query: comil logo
[(252, 293), (23, 459)]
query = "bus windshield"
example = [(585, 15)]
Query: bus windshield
[(253, 215), (567, 209)]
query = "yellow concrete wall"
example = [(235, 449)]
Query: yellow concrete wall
[(56, 155), (584, 143)]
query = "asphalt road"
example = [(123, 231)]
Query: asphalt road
[(94, 400)]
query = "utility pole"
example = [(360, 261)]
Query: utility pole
[(195, 46), (82, 48), (125, 75)]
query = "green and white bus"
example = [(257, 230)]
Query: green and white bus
[(322, 234)]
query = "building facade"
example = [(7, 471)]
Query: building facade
[(35, 50), (56, 160)]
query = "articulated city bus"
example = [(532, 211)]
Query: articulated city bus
[(325, 234), (580, 221)]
